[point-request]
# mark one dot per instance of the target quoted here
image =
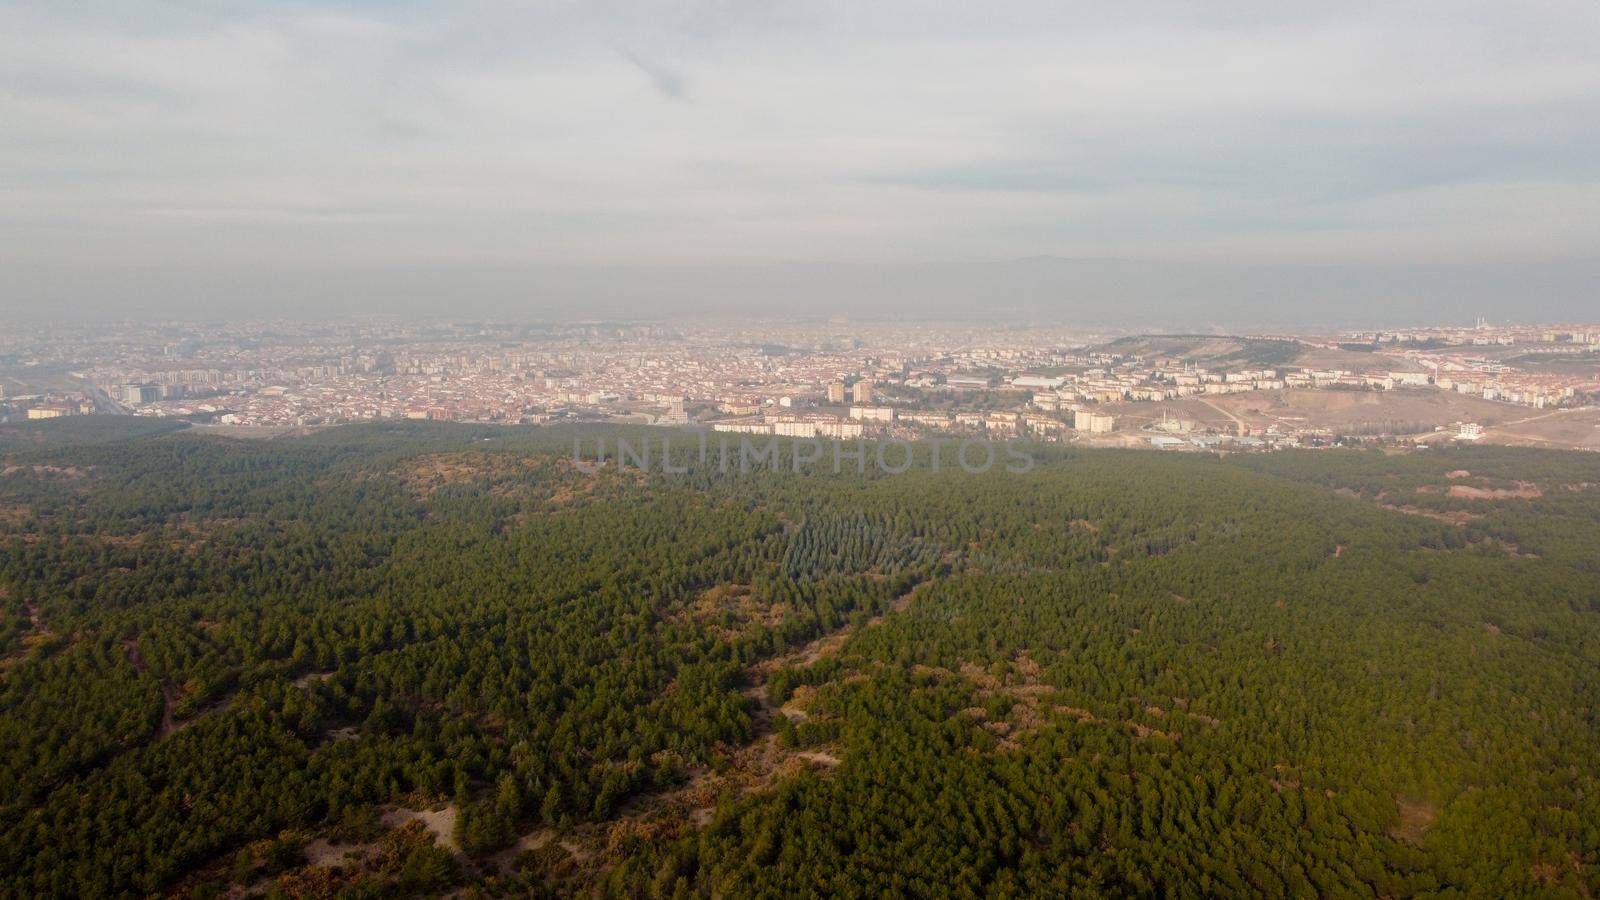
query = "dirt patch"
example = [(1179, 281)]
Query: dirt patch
[(1029, 710), (1523, 491), (828, 644), (1511, 549), (1568, 429), (1401, 412), (742, 769), (798, 706), (1452, 517), (1142, 732), (1416, 816), (441, 823), (821, 647), (321, 852), (506, 860), (14, 514), (730, 611), (310, 678), (170, 695), (36, 634), (426, 474), (135, 658), (67, 473)]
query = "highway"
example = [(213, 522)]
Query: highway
[(103, 403)]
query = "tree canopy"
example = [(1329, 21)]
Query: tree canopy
[(398, 659)]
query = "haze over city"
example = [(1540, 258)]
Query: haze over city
[(1155, 164)]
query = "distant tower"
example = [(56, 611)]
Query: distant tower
[(836, 392), (862, 392)]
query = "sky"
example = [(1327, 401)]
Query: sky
[(1435, 159)]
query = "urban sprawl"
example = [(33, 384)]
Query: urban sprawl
[(825, 379)]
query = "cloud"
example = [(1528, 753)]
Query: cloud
[(668, 82), (307, 134)]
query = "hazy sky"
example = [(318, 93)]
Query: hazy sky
[(267, 138)]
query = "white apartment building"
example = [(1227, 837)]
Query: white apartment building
[(1094, 423), (872, 413)]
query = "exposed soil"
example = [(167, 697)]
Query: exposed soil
[(749, 768), (1415, 818), (440, 822), (310, 678), (1453, 517), (1523, 491)]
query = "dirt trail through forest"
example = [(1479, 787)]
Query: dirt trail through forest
[(754, 764)]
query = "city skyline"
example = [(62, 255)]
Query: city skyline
[(810, 379)]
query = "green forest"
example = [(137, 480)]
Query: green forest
[(412, 659)]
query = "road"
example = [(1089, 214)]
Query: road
[(1238, 423), (103, 403)]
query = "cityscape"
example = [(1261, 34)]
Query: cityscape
[(1518, 384)]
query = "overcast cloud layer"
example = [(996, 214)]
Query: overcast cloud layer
[(205, 155)]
